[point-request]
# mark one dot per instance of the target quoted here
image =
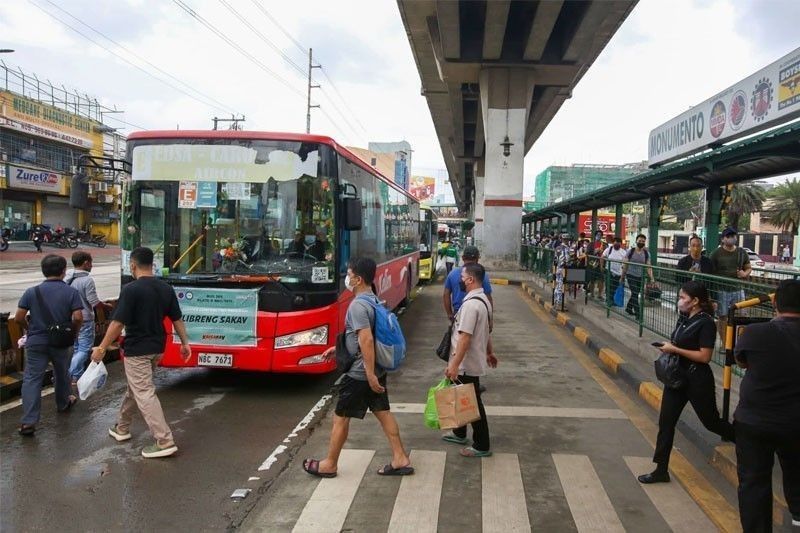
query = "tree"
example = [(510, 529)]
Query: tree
[(685, 204), (785, 210), (744, 199)]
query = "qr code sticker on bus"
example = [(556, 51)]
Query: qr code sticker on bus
[(319, 275)]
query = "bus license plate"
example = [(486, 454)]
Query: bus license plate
[(215, 359)]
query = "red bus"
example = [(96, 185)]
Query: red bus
[(254, 231)]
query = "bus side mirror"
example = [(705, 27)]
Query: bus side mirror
[(79, 191), (352, 214)]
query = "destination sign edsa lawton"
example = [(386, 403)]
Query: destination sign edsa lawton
[(763, 99)]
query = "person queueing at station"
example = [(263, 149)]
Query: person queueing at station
[(768, 415), (636, 268), (612, 259), (363, 386), (693, 340), (141, 309), (694, 262), (729, 261)]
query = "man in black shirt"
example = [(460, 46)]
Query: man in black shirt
[(141, 309), (768, 415), (695, 262)]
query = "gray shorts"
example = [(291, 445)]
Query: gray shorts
[(726, 299)]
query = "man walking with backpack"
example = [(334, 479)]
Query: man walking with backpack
[(55, 317), (470, 356), (634, 269), (363, 384)]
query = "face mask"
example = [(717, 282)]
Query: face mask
[(730, 241), (462, 286), (616, 246), (348, 284), (640, 245)]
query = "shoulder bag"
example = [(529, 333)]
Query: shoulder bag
[(445, 346), (59, 335)]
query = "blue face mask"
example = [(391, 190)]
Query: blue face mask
[(462, 286)]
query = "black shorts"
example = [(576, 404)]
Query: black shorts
[(355, 397)]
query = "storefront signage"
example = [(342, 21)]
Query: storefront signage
[(766, 98), (35, 118), (35, 179), (225, 317)]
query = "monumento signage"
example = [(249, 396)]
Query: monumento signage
[(763, 99)]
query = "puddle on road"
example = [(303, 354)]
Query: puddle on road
[(85, 474)]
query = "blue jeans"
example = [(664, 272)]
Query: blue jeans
[(36, 359), (82, 348)]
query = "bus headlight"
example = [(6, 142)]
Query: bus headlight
[(308, 337)]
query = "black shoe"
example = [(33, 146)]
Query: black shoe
[(654, 477), (27, 430), (482, 389), (630, 311)]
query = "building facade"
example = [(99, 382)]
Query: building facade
[(401, 152), (43, 135), (558, 183)]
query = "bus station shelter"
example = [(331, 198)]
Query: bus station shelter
[(772, 153)]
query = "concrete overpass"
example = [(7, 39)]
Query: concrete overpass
[(494, 73)]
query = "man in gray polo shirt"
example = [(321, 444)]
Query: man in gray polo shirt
[(471, 355)]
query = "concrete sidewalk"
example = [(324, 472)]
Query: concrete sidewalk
[(567, 443)]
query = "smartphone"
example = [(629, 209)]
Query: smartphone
[(657, 344)]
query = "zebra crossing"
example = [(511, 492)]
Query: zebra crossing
[(504, 506)]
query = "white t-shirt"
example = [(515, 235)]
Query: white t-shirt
[(614, 256)]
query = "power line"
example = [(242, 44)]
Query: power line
[(304, 50), (134, 54), (112, 117), (236, 47), (116, 54), (263, 37)]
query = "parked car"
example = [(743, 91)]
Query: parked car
[(755, 260)]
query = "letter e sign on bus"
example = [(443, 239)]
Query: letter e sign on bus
[(187, 195)]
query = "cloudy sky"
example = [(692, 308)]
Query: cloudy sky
[(166, 69)]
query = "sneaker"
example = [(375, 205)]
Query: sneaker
[(118, 435), (452, 438), (154, 451)]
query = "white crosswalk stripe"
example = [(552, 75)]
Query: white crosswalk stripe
[(417, 505), (588, 502), (504, 507), (326, 510), (671, 500), (503, 496)]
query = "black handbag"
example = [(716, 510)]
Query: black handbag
[(445, 346), (669, 371), (59, 335)]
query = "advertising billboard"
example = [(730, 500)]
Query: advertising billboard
[(423, 188), (766, 98), (605, 223)]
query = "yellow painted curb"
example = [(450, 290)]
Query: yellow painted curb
[(611, 359), (581, 334), (548, 306), (651, 393), (562, 319), (8, 380), (498, 281)]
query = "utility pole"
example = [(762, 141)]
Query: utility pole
[(233, 120), (311, 66)]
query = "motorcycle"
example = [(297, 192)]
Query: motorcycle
[(5, 237), (62, 239), (97, 239)]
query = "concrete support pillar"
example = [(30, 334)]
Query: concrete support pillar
[(653, 226), (505, 103), (618, 221), (713, 217), (796, 248), (478, 207)]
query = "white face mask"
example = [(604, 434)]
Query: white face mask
[(348, 284)]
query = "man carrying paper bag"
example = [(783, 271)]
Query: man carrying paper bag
[(461, 404)]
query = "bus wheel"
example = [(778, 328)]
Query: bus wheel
[(407, 299)]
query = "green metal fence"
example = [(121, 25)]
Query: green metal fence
[(654, 308)]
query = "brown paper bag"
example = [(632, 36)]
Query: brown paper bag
[(457, 406)]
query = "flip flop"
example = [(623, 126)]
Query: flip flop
[(312, 467), (453, 439), (72, 401), (469, 451), (389, 470), (26, 430)]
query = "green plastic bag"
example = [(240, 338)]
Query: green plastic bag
[(431, 414)]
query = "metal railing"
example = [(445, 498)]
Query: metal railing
[(655, 307)]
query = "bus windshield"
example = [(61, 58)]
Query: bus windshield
[(234, 207)]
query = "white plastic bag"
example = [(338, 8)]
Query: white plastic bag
[(91, 380)]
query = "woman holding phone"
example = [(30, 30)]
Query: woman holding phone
[(693, 340)]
